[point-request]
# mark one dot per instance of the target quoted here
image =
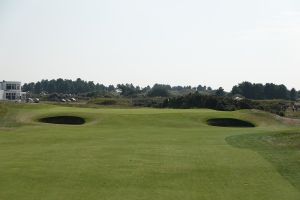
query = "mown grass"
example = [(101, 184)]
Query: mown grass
[(140, 154)]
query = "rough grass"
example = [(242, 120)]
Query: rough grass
[(291, 114), (8, 116), (141, 154), (114, 102), (282, 149)]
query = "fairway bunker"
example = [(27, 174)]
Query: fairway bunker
[(230, 122), (70, 120)]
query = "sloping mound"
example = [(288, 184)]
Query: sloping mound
[(229, 122), (71, 120)]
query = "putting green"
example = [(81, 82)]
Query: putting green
[(140, 154)]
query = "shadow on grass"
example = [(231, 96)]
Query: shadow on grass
[(281, 149)]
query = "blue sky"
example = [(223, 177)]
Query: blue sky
[(191, 42)]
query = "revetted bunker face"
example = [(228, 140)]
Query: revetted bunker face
[(71, 120), (229, 122)]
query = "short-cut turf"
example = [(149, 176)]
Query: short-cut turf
[(143, 154)]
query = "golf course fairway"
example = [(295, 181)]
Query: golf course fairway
[(146, 154)]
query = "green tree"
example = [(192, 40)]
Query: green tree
[(128, 90), (293, 94), (220, 92), (159, 90), (28, 87), (38, 88)]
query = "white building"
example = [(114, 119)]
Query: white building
[(11, 91)]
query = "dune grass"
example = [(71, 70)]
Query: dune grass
[(144, 154)]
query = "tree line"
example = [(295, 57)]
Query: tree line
[(267, 91), (248, 90), (65, 86), (91, 89)]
